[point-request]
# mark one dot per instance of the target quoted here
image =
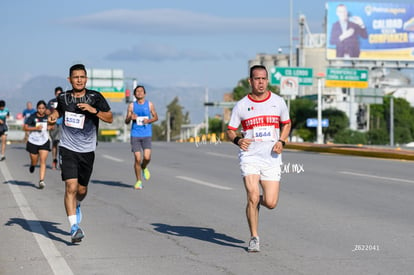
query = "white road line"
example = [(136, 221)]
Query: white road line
[(56, 262), (376, 177), (222, 155), (212, 185), (112, 158)]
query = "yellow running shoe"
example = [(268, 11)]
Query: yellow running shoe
[(138, 185), (146, 173)]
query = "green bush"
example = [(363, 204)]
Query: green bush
[(305, 134), (348, 136), (378, 137)]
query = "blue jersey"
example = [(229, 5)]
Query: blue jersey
[(3, 116), (28, 112), (138, 128)]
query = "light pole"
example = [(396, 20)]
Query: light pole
[(291, 34), (319, 136), (392, 120)]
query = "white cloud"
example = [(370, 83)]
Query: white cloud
[(175, 22)]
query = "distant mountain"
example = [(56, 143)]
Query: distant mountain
[(35, 89), (191, 99)]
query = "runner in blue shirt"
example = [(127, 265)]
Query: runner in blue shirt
[(142, 114)]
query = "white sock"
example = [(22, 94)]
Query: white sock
[(72, 220)]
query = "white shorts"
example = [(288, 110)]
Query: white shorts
[(266, 172)]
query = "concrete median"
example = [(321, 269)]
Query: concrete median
[(354, 150)]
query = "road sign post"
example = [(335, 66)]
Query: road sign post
[(346, 78), (304, 75)]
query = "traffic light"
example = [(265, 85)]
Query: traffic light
[(361, 117), (127, 96)]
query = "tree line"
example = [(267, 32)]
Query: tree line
[(303, 108)]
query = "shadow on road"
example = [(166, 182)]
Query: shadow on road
[(199, 233), (21, 183), (112, 183), (45, 228)]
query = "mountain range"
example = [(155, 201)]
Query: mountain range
[(190, 98)]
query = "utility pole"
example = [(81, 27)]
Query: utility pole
[(319, 136), (168, 121), (291, 35)]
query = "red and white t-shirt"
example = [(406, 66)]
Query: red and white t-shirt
[(260, 121)]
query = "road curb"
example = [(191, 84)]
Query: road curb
[(363, 151)]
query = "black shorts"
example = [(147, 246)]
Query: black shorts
[(34, 149), (76, 165)]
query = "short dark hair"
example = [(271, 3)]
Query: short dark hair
[(2, 103), (140, 86), (58, 89), (77, 67), (257, 67), (41, 102)]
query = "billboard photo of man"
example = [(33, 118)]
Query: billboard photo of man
[(346, 32)]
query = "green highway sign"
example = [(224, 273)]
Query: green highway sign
[(305, 75), (346, 78)]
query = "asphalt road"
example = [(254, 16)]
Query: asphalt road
[(336, 215)]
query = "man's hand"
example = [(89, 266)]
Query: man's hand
[(244, 143), (87, 107), (357, 20), (51, 120), (346, 34), (278, 147)]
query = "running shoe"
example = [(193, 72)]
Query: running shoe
[(76, 233), (41, 184), (146, 173), (138, 185), (31, 168), (78, 213), (254, 245)]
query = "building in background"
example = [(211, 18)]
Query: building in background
[(386, 53)]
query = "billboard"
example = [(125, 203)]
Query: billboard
[(370, 31), (109, 82)]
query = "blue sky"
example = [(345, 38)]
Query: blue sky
[(162, 43), (159, 42)]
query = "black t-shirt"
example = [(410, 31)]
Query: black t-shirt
[(80, 128)]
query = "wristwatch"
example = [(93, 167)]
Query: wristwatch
[(97, 111), (283, 142)]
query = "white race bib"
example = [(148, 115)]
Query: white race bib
[(43, 124), (264, 133), (74, 120), (140, 120)]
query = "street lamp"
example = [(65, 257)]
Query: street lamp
[(393, 80), (319, 136)]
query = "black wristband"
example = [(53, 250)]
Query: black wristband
[(283, 142), (236, 140), (97, 111)]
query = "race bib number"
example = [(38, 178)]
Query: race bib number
[(43, 124), (74, 120), (264, 133), (140, 120)]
